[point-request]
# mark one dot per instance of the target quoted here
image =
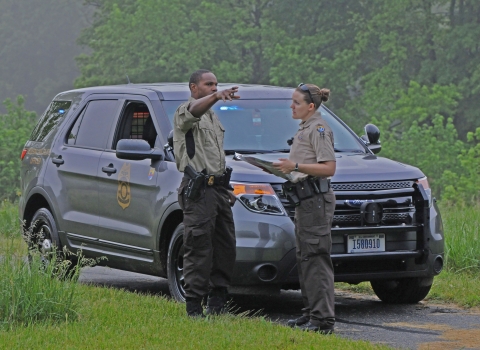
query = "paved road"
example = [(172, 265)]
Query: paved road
[(420, 326)]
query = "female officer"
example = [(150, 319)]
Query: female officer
[(312, 163)]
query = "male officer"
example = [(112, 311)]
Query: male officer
[(209, 237)]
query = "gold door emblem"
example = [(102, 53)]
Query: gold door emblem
[(123, 192)]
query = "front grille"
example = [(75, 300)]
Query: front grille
[(371, 186), (395, 211)]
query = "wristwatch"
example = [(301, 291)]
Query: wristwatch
[(296, 167)]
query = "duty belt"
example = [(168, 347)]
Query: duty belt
[(296, 192), (215, 180)]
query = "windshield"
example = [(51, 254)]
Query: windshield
[(266, 125)]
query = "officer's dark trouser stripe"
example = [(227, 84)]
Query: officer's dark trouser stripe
[(209, 242)]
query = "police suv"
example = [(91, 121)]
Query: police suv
[(98, 174)]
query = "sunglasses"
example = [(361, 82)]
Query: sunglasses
[(304, 87)]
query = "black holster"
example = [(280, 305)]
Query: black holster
[(196, 183), (290, 191), (228, 176), (296, 192)]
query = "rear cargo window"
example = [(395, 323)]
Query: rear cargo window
[(50, 119)]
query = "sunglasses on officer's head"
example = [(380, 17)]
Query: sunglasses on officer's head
[(304, 87)]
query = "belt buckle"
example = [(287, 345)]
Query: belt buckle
[(211, 180)]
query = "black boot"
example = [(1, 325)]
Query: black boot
[(217, 299), (313, 327), (194, 307), (298, 321)]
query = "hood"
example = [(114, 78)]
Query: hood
[(351, 167)]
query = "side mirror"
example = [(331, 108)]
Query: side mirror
[(372, 138), (137, 150)]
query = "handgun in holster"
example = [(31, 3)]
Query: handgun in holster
[(290, 191), (196, 183), (228, 175)]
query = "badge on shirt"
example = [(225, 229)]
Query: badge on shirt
[(320, 128)]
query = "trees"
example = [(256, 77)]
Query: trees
[(15, 127)]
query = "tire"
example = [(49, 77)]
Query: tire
[(402, 291), (42, 237), (176, 282)]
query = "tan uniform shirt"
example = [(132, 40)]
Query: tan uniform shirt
[(313, 143), (208, 135)]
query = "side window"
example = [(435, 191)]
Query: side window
[(50, 119), (136, 123), (92, 127)]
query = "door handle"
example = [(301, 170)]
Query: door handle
[(58, 161), (109, 169)]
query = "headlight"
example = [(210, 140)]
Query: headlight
[(424, 182), (259, 198)]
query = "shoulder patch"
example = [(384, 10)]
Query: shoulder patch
[(320, 128)]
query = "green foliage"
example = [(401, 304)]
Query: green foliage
[(31, 292), (15, 127), (462, 237), (463, 186), (416, 131), (9, 223), (405, 64)]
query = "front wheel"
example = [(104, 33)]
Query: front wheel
[(176, 281), (402, 291)]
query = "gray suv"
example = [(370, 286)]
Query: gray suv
[(98, 174)]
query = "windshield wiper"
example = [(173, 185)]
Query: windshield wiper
[(246, 151), (283, 150)]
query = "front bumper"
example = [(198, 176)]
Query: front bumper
[(266, 247)]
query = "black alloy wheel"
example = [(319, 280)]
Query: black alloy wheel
[(42, 237), (176, 280)]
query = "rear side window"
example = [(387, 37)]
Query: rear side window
[(50, 119), (136, 123), (92, 127)]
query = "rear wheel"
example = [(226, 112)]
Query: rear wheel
[(402, 291), (42, 238), (176, 281)]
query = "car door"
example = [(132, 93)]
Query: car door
[(128, 189), (71, 176)]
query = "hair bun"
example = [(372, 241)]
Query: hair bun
[(325, 94)]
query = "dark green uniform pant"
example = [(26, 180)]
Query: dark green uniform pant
[(313, 223), (209, 240)]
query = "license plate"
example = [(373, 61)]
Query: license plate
[(366, 243)]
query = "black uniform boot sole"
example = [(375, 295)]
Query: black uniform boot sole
[(309, 327), (298, 321)]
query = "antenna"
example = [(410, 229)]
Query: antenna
[(128, 80)]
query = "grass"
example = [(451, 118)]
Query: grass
[(39, 311), (101, 318), (462, 238), (111, 319)]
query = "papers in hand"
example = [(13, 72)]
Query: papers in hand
[(263, 164)]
